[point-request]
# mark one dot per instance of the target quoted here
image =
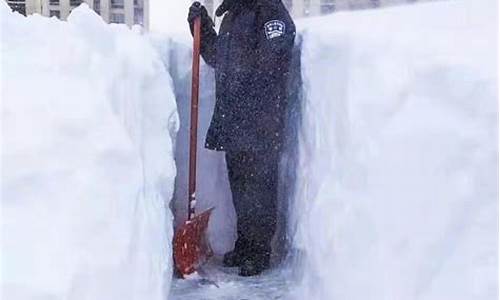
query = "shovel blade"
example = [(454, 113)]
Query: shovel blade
[(191, 247)]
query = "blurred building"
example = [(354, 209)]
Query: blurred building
[(306, 8), (132, 12), (128, 12)]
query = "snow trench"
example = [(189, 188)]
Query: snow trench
[(212, 182)]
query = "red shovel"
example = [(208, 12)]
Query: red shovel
[(191, 247)]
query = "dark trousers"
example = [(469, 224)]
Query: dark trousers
[(253, 177)]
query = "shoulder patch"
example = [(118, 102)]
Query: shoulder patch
[(274, 28)]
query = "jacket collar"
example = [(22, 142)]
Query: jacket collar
[(233, 6)]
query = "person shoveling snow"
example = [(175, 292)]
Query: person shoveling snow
[(251, 56)]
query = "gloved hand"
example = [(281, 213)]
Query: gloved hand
[(197, 10)]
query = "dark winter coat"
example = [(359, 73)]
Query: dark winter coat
[(251, 56)]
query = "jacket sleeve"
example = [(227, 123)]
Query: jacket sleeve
[(208, 44), (275, 41)]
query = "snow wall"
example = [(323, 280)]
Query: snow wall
[(397, 184), (88, 121)]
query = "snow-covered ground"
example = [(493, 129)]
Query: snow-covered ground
[(398, 170), (221, 283), (88, 117)]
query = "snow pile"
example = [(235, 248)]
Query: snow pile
[(397, 190), (88, 117)]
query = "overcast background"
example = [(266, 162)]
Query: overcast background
[(169, 15)]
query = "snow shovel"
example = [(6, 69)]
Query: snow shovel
[(191, 247)]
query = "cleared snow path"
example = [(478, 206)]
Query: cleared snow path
[(213, 190), (225, 284)]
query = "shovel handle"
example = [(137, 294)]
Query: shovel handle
[(193, 136)]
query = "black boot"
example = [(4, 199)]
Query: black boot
[(251, 267), (232, 259), (255, 263), (236, 257)]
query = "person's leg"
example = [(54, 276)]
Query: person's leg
[(236, 173), (258, 205), (253, 178)]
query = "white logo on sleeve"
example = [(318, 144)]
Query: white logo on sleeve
[(274, 28)]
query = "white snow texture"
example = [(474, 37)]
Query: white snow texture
[(88, 117), (397, 180), (398, 173)]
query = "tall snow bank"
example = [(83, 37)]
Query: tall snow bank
[(397, 190), (88, 117)]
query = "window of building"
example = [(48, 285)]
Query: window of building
[(75, 2), (97, 6), (54, 2), (117, 18), (55, 13), (138, 16), (327, 6), (117, 4), (18, 6)]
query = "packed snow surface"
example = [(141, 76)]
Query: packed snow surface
[(219, 283), (88, 116), (397, 182)]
